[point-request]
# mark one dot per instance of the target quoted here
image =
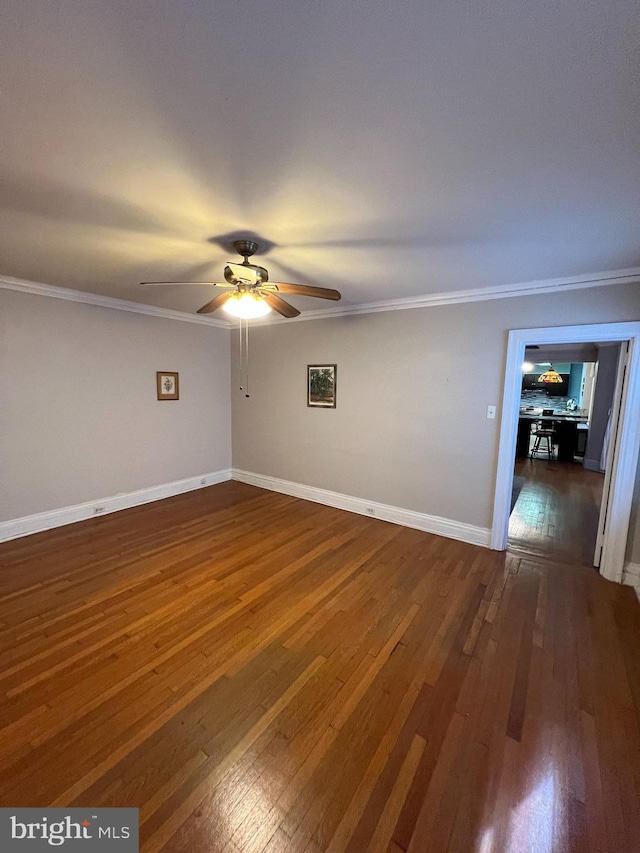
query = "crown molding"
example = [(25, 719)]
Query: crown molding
[(499, 291), (40, 289)]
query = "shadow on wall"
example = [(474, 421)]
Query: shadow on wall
[(608, 355)]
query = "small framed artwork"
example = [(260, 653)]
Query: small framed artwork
[(321, 385), (167, 384)]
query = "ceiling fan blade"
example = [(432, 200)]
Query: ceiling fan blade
[(216, 302), (306, 290), (162, 283), (278, 304)]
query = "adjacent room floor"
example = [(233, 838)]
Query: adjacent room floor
[(259, 673), (556, 513)]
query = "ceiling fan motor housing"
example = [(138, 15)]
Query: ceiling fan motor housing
[(235, 274)]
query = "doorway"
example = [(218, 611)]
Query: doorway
[(567, 394), (618, 485)]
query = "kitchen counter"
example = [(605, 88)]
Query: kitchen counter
[(566, 427), (562, 415)]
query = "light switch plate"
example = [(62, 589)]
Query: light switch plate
[(491, 413)]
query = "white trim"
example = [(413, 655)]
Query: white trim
[(632, 574), (39, 289), (631, 577), (623, 475), (28, 524), (407, 518), (480, 294)]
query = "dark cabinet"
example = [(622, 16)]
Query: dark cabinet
[(567, 440), (524, 435)]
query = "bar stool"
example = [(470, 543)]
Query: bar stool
[(543, 431)]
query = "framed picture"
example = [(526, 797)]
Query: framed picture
[(167, 384), (321, 386)]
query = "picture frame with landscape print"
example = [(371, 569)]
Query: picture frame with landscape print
[(167, 385), (321, 386)]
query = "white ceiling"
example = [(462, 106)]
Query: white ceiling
[(385, 149), (563, 353)]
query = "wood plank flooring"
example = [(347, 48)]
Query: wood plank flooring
[(556, 514), (259, 673)]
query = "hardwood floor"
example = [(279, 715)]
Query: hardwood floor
[(259, 673), (556, 514)]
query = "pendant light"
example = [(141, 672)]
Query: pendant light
[(550, 376)]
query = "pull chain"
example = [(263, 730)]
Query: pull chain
[(241, 359), (244, 357), (246, 350)]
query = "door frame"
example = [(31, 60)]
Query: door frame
[(626, 459)]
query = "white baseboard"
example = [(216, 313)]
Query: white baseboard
[(631, 576), (406, 517), (632, 573), (29, 524)]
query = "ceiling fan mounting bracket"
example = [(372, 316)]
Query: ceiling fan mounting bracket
[(246, 248)]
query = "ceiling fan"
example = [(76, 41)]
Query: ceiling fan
[(248, 293)]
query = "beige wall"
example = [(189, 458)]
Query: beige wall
[(79, 418), (410, 426)]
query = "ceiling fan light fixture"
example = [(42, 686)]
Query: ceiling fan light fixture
[(253, 294), (246, 306)]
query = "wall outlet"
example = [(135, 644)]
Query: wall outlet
[(98, 509)]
